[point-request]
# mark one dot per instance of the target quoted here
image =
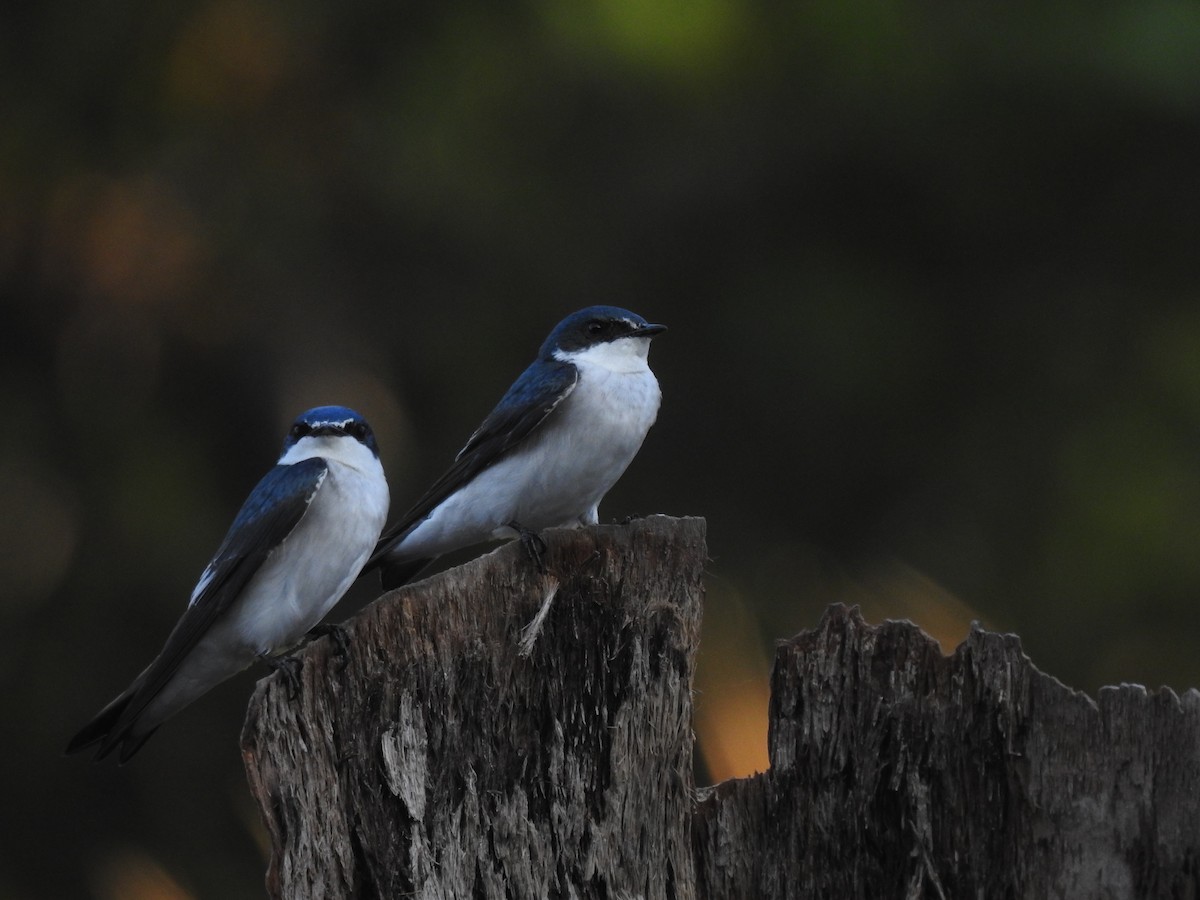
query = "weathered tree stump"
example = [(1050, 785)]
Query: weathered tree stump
[(458, 757), (898, 772)]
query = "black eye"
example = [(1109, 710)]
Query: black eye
[(595, 327), (300, 429), (360, 430)]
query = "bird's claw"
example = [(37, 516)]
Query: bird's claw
[(289, 667), (532, 544), (341, 641)]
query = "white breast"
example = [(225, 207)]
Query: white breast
[(298, 583), (310, 571), (566, 466)]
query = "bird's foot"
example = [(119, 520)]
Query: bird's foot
[(532, 544), (289, 667), (632, 517), (341, 641)]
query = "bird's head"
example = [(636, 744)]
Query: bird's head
[(327, 427), (605, 333)]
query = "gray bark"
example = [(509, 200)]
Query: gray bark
[(898, 772), (457, 756)]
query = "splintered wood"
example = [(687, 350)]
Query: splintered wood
[(501, 732), (498, 732)]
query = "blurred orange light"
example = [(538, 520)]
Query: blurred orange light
[(132, 875), (732, 683)]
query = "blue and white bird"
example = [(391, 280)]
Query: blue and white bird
[(299, 541), (547, 454)]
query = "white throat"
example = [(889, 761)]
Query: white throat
[(624, 355), (337, 447)]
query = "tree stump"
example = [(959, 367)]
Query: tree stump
[(486, 743), (897, 772), (463, 754)]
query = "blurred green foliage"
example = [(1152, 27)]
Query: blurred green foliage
[(931, 274)]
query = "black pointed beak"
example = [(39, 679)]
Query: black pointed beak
[(649, 330), (327, 428)]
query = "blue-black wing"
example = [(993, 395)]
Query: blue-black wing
[(268, 516), (525, 406)]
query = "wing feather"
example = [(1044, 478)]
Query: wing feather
[(524, 407), (268, 517)]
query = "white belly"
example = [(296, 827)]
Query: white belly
[(559, 476), (310, 571), (293, 590)]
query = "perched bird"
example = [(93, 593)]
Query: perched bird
[(547, 454), (297, 544)]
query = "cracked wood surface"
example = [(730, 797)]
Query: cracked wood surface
[(460, 754), (500, 733), (897, 772)]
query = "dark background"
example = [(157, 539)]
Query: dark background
[(931, 273)]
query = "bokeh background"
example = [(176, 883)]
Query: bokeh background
[(932, 274)]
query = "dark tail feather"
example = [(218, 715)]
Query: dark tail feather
[(393, 575), (111, 729), (130, 744), (99, 729)]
